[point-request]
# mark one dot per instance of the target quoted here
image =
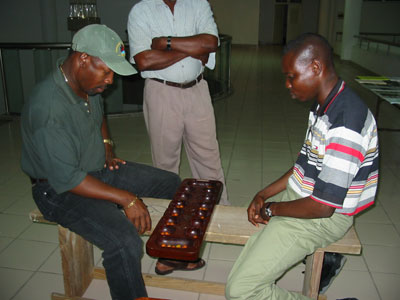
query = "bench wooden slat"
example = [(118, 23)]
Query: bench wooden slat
[(229, 225), (166, 282), (37, 217)]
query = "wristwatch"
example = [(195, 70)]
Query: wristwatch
[(169, 43), (108, 141), (268, 211)]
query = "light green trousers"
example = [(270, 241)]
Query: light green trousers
[(277, 247)]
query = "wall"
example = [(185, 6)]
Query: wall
[(266, 22), (310, 11), (380, 17), (238, 19), (377, 61)]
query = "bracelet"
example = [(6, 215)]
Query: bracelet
[(169, 43), (132, 203), (108, 141)]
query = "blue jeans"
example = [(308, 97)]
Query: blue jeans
[(103, 224)]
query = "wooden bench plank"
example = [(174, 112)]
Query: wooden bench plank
[(229, 225), (182, 284)]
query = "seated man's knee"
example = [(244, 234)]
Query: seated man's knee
[(130, 244)]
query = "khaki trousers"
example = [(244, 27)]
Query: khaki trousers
[(174, 115), (277, 247)]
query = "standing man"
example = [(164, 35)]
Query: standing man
[(76, 179), (334, 177), (171, 41)]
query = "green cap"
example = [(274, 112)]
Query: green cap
[(102, 42)]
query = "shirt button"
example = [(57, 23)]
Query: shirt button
[(88, 111), (86, 104)]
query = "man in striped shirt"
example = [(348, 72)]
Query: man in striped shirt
[(334, 177)]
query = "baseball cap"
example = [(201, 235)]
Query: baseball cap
[(101, 41)]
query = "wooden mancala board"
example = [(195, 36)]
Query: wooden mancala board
[(180, 231)]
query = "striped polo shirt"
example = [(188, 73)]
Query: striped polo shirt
[(338, 162)]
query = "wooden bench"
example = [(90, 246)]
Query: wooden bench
[(228, 225)]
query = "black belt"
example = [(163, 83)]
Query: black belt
[(37, 180), (181, 85)]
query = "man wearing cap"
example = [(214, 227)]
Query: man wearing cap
[(67, 152)]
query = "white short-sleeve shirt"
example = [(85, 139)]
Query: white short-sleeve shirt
[(153, 18)]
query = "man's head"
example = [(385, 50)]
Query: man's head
[(98, 53), (308, 66), (102, 42)]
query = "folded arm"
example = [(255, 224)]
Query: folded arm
[(159, 57)]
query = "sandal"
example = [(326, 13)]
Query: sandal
[(181, 265)]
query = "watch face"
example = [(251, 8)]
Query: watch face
[(268, 212)]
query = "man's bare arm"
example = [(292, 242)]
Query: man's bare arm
[(198, 46)]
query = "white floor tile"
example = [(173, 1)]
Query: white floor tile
[(372, 234), (355, 263), (171, 294), (98, 290), (41, 286), (41, 232), (374, 214), (382, 259), (5, 242), (353, 284), (388, 285), (21, 207), (225, 252), (26, 255), (11, 282), (12, 225), (53, 263), (218, 270), (211, 297)]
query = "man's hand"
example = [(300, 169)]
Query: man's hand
[(139, 216), (112, 162), (254, 210)]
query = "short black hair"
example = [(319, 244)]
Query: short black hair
[(321, 47)]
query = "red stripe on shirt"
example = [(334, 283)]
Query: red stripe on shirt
[(347, 150), (339, 91), (359, 209), (347, 214)]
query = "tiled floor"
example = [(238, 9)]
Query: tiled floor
[(260, 130)]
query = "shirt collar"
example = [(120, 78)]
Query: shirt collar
[(63, 85), (337, 89)]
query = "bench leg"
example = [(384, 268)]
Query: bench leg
[(312, 274), (77, 262)]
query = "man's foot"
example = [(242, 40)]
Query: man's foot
[(333, 263), (167, 266)]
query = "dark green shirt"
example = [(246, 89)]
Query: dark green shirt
[(61, 134)]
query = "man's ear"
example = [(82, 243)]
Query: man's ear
[(83, 59), (316, 66)]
